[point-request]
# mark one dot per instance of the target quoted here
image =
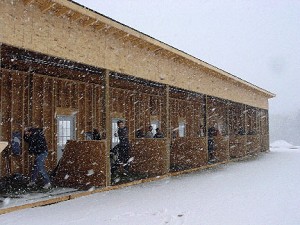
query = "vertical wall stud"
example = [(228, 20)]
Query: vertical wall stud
[(107, 126)]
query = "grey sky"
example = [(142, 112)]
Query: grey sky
[(258, 41)]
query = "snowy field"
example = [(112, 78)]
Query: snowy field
[(261, 191)]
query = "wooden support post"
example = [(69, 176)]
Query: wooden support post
[(246, 128), (206, 125), (1, 172), (27, 2), (107, 126), (267, 130), (168, 126), (227, 127), (134, 128)]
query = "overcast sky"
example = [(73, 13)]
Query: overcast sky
[(256, 40)]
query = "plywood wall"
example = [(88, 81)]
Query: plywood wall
[(14, 95), (35, 100), (190, 110), (137, 108)]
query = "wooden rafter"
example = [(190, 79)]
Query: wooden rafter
[(124, 37), (134, 40), (98, 25), (142, 43), (87, 21), (91, 22), (47, 7), (153, 48), (119, 34), (75, 16), (110, 30), (28, 2), (158, 50), (60, 10)]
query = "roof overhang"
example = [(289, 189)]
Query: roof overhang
[(90, 18)]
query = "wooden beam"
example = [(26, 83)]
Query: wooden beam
[(132, 38), (75, 16), (137, 42), (90, 22), (153, 48), (98, 25), (61, 10), (107, 127), (141, 44), (1, 167), (119, 34), (168, 126), (47, 7), (86, 21), (110, 30), (28, 2)]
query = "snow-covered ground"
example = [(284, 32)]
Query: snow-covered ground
[(261, 191)]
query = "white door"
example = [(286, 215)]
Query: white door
[(65, 132)]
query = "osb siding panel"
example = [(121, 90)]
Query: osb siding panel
[(6, 97), (37, 101), (14, 97), (58, 36), (150, 156), (237, 146), (236, 117), (48, 117), (17, 115), (26, 103), (264, 140), (81, 112), (192, 112), (188, 153), (221, 150), (217, 115), (135, 108), (253, 144), (0, 116), (83, 164)]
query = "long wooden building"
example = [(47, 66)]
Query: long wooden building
[(68, 69)]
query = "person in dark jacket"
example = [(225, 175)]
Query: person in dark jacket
[(123, 146), (149, 133), (96, 134), (212, 132), (158, 133), (37, 147), (139, 133)]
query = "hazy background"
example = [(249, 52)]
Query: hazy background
[(258, 41)]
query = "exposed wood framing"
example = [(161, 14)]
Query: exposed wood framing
[(86, 21), (47, 7), (167, 122), (28, 2), (98, 25), (107, 126), (75, 16), (60, 10)]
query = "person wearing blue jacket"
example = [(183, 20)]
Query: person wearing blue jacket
[(37, 147)]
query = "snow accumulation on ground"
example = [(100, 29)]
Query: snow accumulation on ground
[(260, 191)]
